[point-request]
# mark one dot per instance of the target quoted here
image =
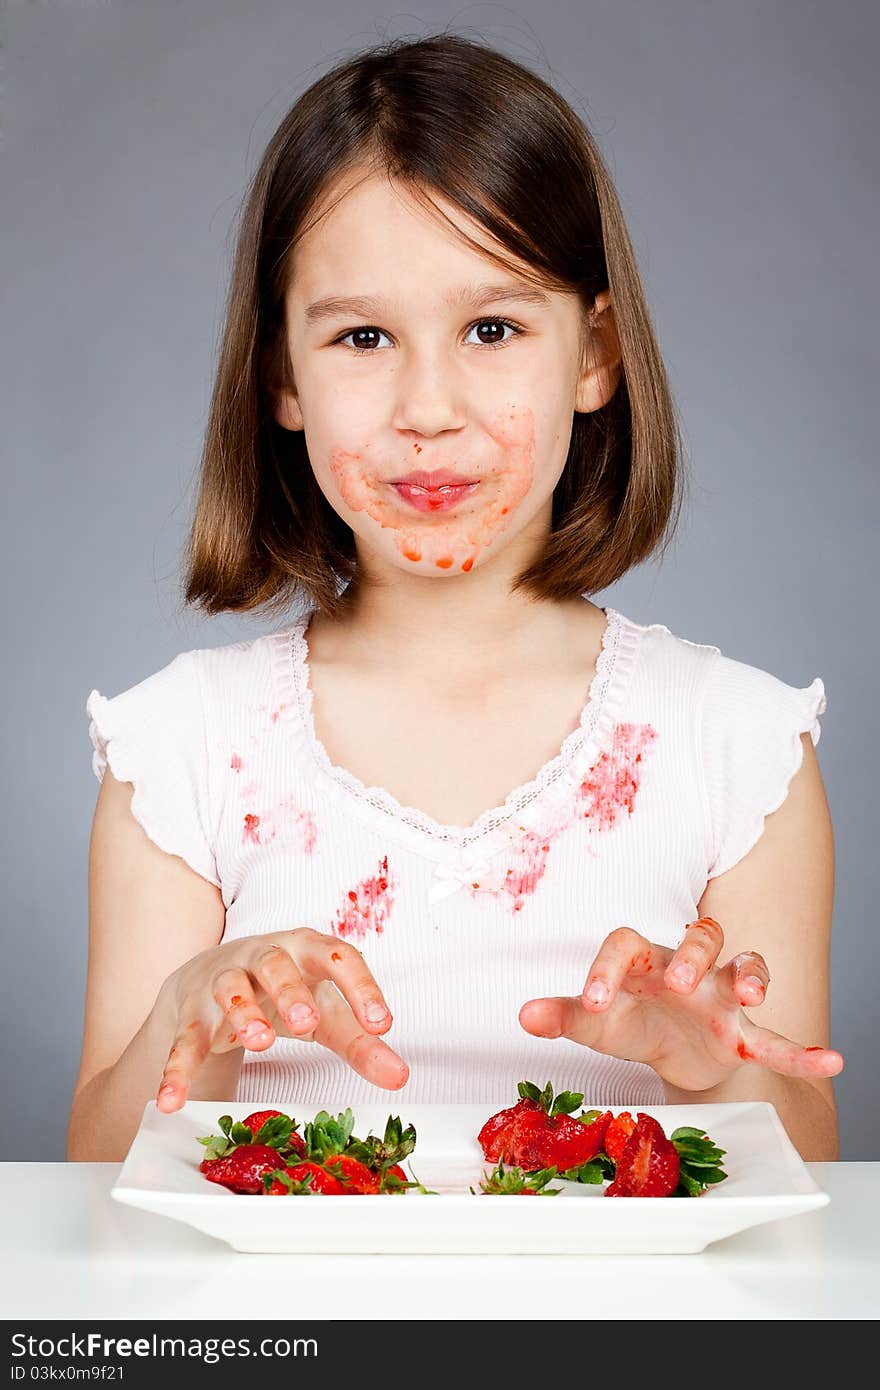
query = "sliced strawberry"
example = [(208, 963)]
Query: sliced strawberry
[(489, 1136), (619, 1130), (562, 1142), (649, 1165), (517, 1137), (320, 1182), (355, 1176), (243, 1169)]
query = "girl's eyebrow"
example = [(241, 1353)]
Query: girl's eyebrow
[(477, 296)]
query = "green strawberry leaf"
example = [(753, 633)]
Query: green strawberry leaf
[(325, 1135), (420, 1187), (566, 1102), (275, 1132), (297, 1187), (216, 1144), (509, 1181), (225, 1123), (687, 1187), (699, 1161), (598, 1169), (587, 1117), (529, 1091)]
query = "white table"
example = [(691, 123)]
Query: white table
[(71, 1252)]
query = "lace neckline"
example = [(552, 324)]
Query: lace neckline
[(291, 661)]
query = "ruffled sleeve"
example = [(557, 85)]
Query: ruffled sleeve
[(751, 749), (154, 736)]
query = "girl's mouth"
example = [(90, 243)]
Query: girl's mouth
[(438, 499)]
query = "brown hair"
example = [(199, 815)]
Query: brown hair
[(427, 111)]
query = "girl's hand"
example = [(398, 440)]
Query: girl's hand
[(296, 984), (676, 1011)]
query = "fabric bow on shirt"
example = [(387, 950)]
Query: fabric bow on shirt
[(449, 878)]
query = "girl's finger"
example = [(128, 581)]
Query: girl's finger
[(191, 1047), (745, 978), (233, 990), (695, 955), (280, 977), (780, 1054), (559, 1017), (328, 957), (622, 951), (341, 1031)]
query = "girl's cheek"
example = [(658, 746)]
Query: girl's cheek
[(447, 540)]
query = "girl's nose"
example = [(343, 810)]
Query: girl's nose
[(429, 398)]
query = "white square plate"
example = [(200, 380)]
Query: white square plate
[(767, 1179)]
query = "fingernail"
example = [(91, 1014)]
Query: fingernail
[(375, 1013), (597, 992), (166, 1091), (753, 982), (684, 974), (300, 1013), (255, 1029)]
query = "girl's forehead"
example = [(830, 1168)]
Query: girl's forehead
[(375, 235)]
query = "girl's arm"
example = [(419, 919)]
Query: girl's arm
[(149, 912), (778, 900)]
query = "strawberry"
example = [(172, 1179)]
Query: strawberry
[(243, 1169), (490, 1136), (301, 1177), (617, 1133), (264, 1153), (561, 1141), (540, 1132), (354, 1176), (293, 1145), (256, 1121), (268, 1127), (649, 1164)]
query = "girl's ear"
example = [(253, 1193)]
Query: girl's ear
[(287, 411), (285, 408), (601, 366)]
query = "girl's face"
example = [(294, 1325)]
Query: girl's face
[(414, 353)]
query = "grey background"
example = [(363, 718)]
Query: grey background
[(742, 141)]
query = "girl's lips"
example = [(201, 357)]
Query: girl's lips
[(440, 499)]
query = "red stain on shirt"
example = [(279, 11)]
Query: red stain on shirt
[(612, 783), (523, 877), (367, 906), (607, 791), (286, 822), (236, 763)]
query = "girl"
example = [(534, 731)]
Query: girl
[(440, 422)]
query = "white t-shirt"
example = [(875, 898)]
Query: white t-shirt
[(679, 754)]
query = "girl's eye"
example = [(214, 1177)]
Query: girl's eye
[(362, 336)]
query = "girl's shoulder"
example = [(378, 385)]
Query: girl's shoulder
[(726, 687), (167, 734)]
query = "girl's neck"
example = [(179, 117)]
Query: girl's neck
[(437, 630)]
